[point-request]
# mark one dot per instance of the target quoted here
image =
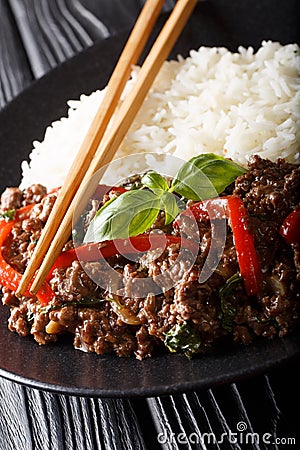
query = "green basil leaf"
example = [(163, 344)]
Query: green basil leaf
[(169, 206), (154, 181), (183, 338), (226, 295), (205, 176), (129, 214), (222, 172), (192, 184)]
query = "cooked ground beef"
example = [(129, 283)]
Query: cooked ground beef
[(11, 198), (183, 314)]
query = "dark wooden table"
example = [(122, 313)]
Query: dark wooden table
[(36, 36)]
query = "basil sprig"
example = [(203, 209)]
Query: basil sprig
[(135, 211), (205, 176)]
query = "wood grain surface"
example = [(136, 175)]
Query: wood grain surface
[(36, 36)]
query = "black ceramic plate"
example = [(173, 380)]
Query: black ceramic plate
[(59, 367)]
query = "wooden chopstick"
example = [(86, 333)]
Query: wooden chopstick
[(130, 55), (121, 123)]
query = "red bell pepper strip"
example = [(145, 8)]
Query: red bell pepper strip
[(204, 211), (9, 277), (45, 294), (290, 229), (136, 244), (232, 208), (244, 243)]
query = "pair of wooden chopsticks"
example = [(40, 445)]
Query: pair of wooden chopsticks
[(98, 149)]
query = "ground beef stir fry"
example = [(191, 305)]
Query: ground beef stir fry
[(189, 317)]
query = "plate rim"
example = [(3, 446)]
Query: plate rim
[(34, 87)]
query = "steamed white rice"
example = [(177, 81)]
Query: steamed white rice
[(232, 104)]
